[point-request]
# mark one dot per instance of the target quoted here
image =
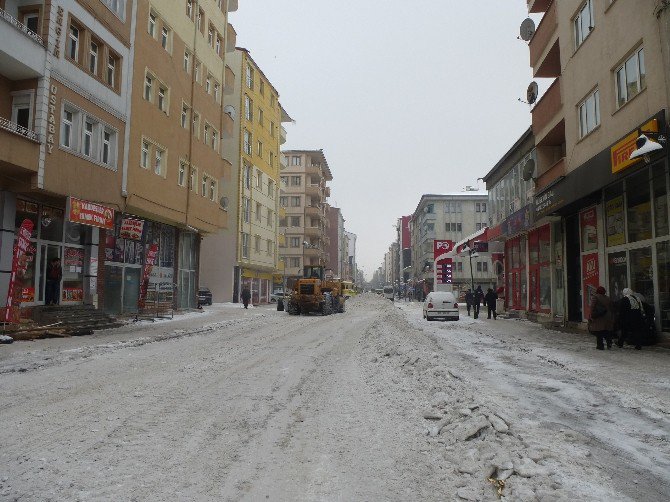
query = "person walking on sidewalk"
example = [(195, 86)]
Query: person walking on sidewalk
[(246, 296), (479, 296), (469, 300), (631, 316), (601, 320), (490, 302)]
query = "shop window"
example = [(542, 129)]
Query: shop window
[(26, 211), (638, 207), (51, 224), (614, 215), (660, 201), (588, 227), (663, 260), (617, 271), (641, 273)]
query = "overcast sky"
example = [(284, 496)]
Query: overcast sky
[(404, 97)]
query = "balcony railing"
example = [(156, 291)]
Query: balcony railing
[(231, 38), (20, 26), (547, 109), (10, 126), (282, 135), (554, 172), (544, 33)]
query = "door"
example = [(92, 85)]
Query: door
[(131, 288), (47, 253)]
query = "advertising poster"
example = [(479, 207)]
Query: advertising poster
[(618, 274), (73, 260), (131, 229), (590, 281), (152, 253), (588, 225), (615, 221), (19, 263), (90, 213)]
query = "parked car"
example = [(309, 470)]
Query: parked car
[(388, 292), (276, 295), (204, 296), (440, 305)]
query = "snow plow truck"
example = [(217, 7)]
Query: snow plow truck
[(316, 293)]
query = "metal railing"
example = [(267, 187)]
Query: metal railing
[(20, 26), (10, 126)]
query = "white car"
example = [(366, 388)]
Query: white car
[(440, 305), (276, 295)]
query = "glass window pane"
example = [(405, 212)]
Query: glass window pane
[(614, 215), (621, 86), (631, 77), (618, 274), (663, 259), (52, 224), (660, 201), (641, 273), (642, 68), (638, 207)]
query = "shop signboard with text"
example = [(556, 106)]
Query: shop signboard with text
[(590, 281), (588, 225), (443, 265), (19, 264), (131, 229), (90, 213)]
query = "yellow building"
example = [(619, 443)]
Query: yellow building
[(248, 258)]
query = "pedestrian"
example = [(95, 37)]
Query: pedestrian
[(601, 320), (490, 301), (52, 283), (246, 296), (469, 300), (479, 296), (632, 318)]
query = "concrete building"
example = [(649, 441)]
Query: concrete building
[(453, 216), (336, 244), (246, 255), (303, 197), (609, 62), (352, 266)]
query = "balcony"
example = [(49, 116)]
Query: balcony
[(231, 38), (11, 13), (232, 5), (313, 211), (538, 5), (22, 53), (229, 83), (313, 190), (20, 148), (312, 252), (282, 135), (228, 126), (548, 111), (314, 169), (555, 171), (283, 162), (313, 231), (326, 192), (545, 54)]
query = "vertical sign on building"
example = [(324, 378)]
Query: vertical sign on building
[(149, 262), (21, 247), (591, 275), (443, 264)]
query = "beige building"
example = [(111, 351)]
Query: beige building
[(609, 61), (303, 198), (245, 255)]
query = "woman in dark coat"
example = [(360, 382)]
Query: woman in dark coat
[(601, 322), (631, 317), (246, 296), (490, 301)]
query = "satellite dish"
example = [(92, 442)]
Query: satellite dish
[(528, 170), (230, 110), (532, 92), (527, 29), (223, 202)]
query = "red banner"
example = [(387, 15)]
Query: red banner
[(441, 247), (131, 229), (149, 262), (90, 213), (19, 263), (591, 280)]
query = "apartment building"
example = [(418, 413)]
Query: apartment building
[(246, 255), (336, 240), (304, 192), (455, 217), (610, 62), (64, 70), (349, 273)]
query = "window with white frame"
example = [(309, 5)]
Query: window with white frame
[(93, 58), (187, 62), (73, 42), (109, 147), (204, 185), (162, 99), (89, 131), (165, 38), (294, 221), (247, 142), (295, 160), (247, 176), (68, 128), (151, 28), (217, 91), (159, 161), (117, 7), (196, 124), (112, 62), (212, 190), (257, 243), (294, 242), (283, 201), (182, 173), (198, 66), (589, 113), (269, 247), (246, 209), (193, 180), (249, 76), (185, 112), (259, 178), (245, 245), (208, 84), (189, 9), (294, 262), (259, 211), (22, 109), (271, 189), (583, 22), (260, 116), (295, 201), (206, 131), (248, 108), (270, 218), (215, 139), (260, 148), (218, 45), (148, 87), (630, 77), (144, 155)]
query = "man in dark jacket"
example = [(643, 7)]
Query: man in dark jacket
[(469, 300), (479, 296), (490, 302), (632, 319), (52, 285), (246, 296), (601, 321)]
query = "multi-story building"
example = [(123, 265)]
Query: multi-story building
[(609, 61), (246, 255), (336, 241), (352, 266), (454, 217), (112, 120), (64, 110), (303, 198)]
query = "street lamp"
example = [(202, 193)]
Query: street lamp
[(472, 254)]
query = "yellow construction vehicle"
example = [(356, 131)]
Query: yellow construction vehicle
[(316, 293)]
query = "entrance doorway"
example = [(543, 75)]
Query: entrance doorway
[(47, 253)]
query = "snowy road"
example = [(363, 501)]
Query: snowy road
[(373, 404)]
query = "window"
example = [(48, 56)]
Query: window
[(144, 156), (295, 160), (184, 115), (196, 124), (269, 247), (148, 85), (189, 9), (295, 201), (260, 148), (22, 109), (257, 243), (108, 147), (584, 23), (152, 25), (272, 129), (249, 77), (259, 210), (217, 48), (295, 221), (32, 21), (485, 266), (478, 207), (630, 77), (259, 178), (260, 116), (162, 101), (283, 201), (245, 245), (73, 43), (294, 262), (479, 266), (215, 139), (93, 58), (459, 266), (479, 226), (483, 207), (261, 87), (212, 190), (459, 227), (248, 108), (158, 162), (197, 70), (192, 181), (246, 208), (182, 173), (294, 242), (165, 38), (284, 180), (201, 17), (247, 176), (88, 138), (204, 185), (206, 133), (296, 181), (271, 159), (111, 70), (66, 129), (589, 113), (270, 218), (211, 36), (187, 62), (217, 90), (247, 142), (430, 209), (282, 223), (208, 84), (273, 100)]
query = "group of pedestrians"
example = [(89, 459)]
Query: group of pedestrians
[(474, 299), (628, 315)]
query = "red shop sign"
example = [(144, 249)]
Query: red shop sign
[(152, 252), (591, 280), (131, 229), (441, 247), (19, 264), (90, 213)]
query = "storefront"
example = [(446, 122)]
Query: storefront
[(258, 283)]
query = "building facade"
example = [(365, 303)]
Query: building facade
[(304, 193), (609, 62), (349, 273), (336, 242), (451, 217)]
